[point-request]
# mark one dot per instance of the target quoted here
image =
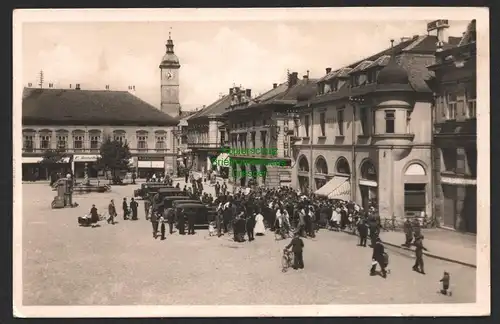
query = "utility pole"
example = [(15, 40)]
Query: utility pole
[(41, 79)]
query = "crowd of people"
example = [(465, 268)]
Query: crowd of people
[(247, 213)]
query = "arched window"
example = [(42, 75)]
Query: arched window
[(342, 166), (368, 171), (303, 164), (415, 169), (321, 166)]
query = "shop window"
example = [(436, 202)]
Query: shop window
[(306, 124), (95, 141), (322, 121), (451, 106), (62, 142), (340, 121), (142, 142), (78, 143), (160, 144), (45, 142), (28, 143), (390, 117)]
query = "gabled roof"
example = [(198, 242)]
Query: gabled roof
[(342, 72), (89, 107), (216, 109)]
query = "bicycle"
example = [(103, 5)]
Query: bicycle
[(286, 260)]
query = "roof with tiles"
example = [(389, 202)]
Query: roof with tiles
[(89, 107), (361, 66), (216, 109), (413, 55)]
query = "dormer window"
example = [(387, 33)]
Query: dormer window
[(321, 88), (372, 76), (335, 85)]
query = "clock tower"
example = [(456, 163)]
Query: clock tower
[(170, 80)]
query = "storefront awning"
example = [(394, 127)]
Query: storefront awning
[(32, 159), (337, 188), (220, 161)]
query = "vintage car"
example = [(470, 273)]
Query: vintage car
[(169, 200), (149, 187), (178, 202), (202, 213)]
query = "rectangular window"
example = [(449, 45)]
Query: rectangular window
[(160, 144), (263, 138), (95, 142), (322, 121), (340, 121), (253, 139), (78, 143), (45, 142), (364, 120), (408, 120), (450, 157), (306, 124), (390, 116), (142, 142), (451, 106), (471, 103), (62, 142), (28, 144), (119, 138)]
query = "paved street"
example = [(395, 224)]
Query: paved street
[(64, 264)]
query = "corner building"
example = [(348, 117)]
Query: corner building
[(367, 134)]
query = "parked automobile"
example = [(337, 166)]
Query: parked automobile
[(149, 188)]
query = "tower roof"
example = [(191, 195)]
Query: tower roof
[(169, 59), (393, 73)]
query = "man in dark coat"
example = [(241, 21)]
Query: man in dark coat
[(363, 232), (125, 208), (181, 221), (112, 212), (378, 257), (170, 219), (297, 246), (133, 208), (94, 216), (154, 222), (419, 261), (250, 225), (217, 189), (408, 229)]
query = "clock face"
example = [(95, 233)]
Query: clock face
[(169, 74)]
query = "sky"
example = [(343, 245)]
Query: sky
[(213, 55)]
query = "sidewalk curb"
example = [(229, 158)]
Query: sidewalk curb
[(430, 255)]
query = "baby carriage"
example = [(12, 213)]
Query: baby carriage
[(86, 220), (286, 260)]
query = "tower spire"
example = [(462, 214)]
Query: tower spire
[(170, 42)]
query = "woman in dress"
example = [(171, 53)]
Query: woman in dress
[(259, 228)]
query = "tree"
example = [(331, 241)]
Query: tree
[(115, 156), (51, 160)]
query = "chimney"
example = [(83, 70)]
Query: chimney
[(248, 93), (70, 86), (231, 90), (30, 84), (292, 79), (305, 77), (51, 85), (328, 70), (440, 27), (275, 85), (77, 86), (107, 86)]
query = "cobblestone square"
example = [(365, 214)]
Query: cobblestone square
[(64, 264)]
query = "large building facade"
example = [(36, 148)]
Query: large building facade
[(77, 121), (261, 132), (367, 135), (205, 135), (455, 134)]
